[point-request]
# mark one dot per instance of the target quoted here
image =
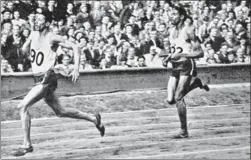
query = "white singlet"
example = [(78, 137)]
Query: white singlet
[(179, 43), (41, 55)]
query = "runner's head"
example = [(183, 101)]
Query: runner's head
[(43, 19), (178, 15)]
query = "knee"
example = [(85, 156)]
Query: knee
[(22, 107), (178, 97)]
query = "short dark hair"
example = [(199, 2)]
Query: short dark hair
[(181, 10), (83, 37), (188, 17), (206, 19), (212, 29), (46, 13), (6, 10)]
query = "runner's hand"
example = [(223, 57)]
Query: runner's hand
[(75, 75)]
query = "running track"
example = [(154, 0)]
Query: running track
[(221, 131)]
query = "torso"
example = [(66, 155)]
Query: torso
[(180, 44), (43, 58)]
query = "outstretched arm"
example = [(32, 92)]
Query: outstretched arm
[(56, 39)]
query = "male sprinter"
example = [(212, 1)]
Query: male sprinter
[(42, 45), (184, 47)]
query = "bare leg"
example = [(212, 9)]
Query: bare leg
[(52, 100), (195, 83), (183, 84), (35, 94), (171, 88)]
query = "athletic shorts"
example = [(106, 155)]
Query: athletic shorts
[(187, 68), (48, 80)]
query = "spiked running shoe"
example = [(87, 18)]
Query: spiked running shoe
[(181, 135), (201, 85), (100, 126), (22, 151)]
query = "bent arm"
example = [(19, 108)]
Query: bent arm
[(26, 46), (56, 39), (197, 51)]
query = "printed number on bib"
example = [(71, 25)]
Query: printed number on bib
[(178, 49), (38, 58)]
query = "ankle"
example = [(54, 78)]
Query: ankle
[(26, 145)]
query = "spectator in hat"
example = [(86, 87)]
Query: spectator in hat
[(6, 16), (78, 34)]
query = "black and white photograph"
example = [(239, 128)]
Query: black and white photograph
[(125, 79)]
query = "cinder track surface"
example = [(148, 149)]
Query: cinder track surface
[(216, 131)]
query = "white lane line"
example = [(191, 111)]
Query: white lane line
[(125, 127), (132, 145), (61, 142), (127, 112), (189, 153), (62, 123)]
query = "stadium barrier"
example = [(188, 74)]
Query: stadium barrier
[(16, 85)]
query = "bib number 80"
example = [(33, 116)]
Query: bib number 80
[(38, 58)]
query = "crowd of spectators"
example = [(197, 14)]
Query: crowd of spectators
[(126, 33)]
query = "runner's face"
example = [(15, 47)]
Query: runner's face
[(175, 17), (40, 22)]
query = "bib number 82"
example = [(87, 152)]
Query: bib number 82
[(178, 49), (38, 58)]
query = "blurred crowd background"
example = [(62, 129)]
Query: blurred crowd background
[(126, 33)]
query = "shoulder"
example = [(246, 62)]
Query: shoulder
[(33, 34), (190, 31)]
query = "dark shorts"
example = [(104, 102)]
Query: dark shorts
[(187, 68), (48, 80)]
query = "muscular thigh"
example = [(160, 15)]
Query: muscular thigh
[(34, 95), (52, 100), (171, 87), (183, 85)]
